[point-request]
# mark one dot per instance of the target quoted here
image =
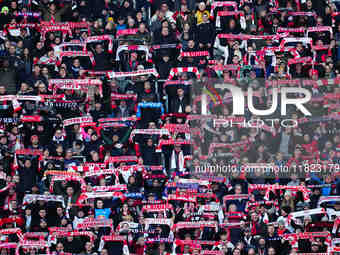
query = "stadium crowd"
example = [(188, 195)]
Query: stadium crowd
[(105, 149)]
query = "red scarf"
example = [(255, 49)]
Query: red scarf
[(253, 229), (131, 64), (281, 231)]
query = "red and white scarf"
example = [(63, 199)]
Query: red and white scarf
[(184, 198), (153, 221), (95, 223), (114, 238), (151, 131), (61, 234), (320, 29), (251, 37), (15, 100), (303, 60), (291, 30), (76, 54), (294, 215), (323, 82), (178, 128), (12, 231), (101, 172), (115, 96), (229, 13), (305, 40), (8, 245), (336, 225), (113, 75), (118, 187), (65, 29), (77, 121), (186, 83), (199, 224), (222, 4), (97, 38), (180, 163), (94, 73), (32, 244), (132, 48), (325, 199), (68, 178), (86, 168), (310, 14), (77, 84), (119, 159), (60, 173), (163, 142), (251, 205), (30, 198), (129, 31), (192, 54), (196, 242), (33, 152), (178, 70), (118, 119), (38, 235), (235, 197), (156, 207), (307, 235), (89, 195), (305, 191), (213, 146)]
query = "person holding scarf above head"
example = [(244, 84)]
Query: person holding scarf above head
[(189, 61), (232, 49)]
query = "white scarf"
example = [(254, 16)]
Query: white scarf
[(180, 161), (58, 139), (126, 175)]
